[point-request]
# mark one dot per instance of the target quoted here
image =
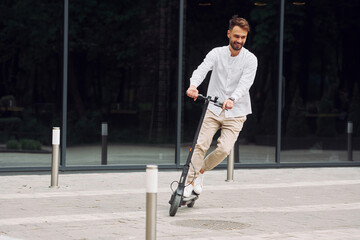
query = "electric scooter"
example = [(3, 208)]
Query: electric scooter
[(177, 198)]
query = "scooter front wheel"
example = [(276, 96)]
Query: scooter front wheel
[(175, 205)]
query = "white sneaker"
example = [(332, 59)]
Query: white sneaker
[(198, 184), (188, 190)]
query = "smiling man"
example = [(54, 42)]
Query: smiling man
[(233, 71)]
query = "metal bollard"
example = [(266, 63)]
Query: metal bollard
[(230, 167), (55, 157), (104, 134), (349, 145), (151, 201)]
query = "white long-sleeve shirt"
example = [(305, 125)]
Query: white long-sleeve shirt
[(231, 77)]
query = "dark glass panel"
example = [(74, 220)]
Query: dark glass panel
[(31, 39), (206, 27), (122, 71), (321, 87)]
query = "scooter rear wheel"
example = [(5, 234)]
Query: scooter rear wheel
[(175, 205), (190, 205)]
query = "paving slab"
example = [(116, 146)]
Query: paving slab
[(302, 203)]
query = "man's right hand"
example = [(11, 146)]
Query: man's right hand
[(192, 92)]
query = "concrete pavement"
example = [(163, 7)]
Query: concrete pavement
[(308, 203)]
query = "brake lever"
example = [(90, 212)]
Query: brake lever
[(218, 104), (214, 101)]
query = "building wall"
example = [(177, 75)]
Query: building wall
[(123, 70)]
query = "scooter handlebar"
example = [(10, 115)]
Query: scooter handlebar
[(201, 97), (211, 99)]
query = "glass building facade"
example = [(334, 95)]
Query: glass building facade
[(125, 65)]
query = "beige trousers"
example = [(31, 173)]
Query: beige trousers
[(230, 129)]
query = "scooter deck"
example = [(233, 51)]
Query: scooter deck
[(193, 197)]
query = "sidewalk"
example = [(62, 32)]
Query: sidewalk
[(277, 204)]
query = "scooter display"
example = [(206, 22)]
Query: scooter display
[(177, 198)]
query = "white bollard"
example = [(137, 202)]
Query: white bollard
[(151, 201), (55, 157), (230, 167)]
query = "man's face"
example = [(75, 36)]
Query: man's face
[(237, 37)]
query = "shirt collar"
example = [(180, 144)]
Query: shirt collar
[(229, 52)]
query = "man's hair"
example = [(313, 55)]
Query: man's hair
[(238, 21)]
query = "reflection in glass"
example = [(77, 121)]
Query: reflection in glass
[(206, 28), (30, 80), (122, 71), (320, 86)]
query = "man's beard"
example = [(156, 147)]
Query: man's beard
[(235, 48)]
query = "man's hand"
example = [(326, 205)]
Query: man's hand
[(192, 92), (228, 104)]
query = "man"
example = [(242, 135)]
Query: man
[(233, 72)]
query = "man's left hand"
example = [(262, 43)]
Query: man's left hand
[(228, 104)]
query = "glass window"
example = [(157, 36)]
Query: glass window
[(206, 27), (123, 72), (30, 80), (321, 87)]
